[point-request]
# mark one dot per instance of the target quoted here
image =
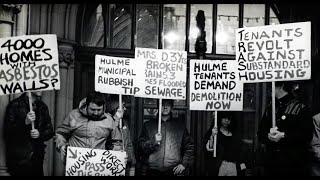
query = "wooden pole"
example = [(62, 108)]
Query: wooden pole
[(159, 122), (215, 136), (120, 123), (120, 107), (273, 105), (31, 109)]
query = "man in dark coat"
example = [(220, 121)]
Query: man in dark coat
[(286, 144), (172, 151), (25, 148)]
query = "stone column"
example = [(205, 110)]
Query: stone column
[(6, 28), (64, 97)]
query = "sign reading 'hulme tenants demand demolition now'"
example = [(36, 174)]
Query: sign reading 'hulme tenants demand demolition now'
[(94, 162), (29, 63), (164, 73), (274, 53), (215, 86), (116, 75)]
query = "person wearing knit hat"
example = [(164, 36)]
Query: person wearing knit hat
[(112, 103)]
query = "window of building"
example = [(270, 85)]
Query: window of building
[(147, 26), (174, 26), (194, 30), (253, 15), (121, 22), (273, 18), (94, 36), (227, 22)]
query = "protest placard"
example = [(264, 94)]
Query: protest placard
[(274, 52), (163, 73), (215, 86), (115, 75), (94, 162), (29, 63)]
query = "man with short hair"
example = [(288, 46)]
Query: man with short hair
[(286, 144), (25, 147), (88, 126), (172, 151)]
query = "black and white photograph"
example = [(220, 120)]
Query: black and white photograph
[(167, 89)]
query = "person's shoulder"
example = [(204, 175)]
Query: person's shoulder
[(14, 103), (108, 120), (150, 122), (43, 104), (74, 114), (298, 102), (17, 101), (179, 121)]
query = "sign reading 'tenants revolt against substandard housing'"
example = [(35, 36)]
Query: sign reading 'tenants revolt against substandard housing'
[(274, 53), (164, 73), (29, 63), (215, 86), (94, 162), (115, 75)]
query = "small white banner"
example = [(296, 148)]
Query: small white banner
[(215, 86), (163, 73), (115, 75), (94, 162)]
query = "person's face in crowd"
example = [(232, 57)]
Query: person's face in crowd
[(225, 122), (37, 94), (166, 108), (278, 91), (95, 111)]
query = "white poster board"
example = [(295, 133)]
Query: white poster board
[(274, 52), (163, 73), (115, 75), (29, 63), (215, 86), (94, 162)]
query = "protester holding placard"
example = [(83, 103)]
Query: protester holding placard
[(287, 143), (228, 161), (87, 126), (171, 152), (314, 159), (121, 137), (25, 146)]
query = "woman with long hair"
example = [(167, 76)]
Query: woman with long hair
[(227, 161)]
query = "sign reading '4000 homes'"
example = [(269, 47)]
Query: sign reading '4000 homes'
[(29, 63)]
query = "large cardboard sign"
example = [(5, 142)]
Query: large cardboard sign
[(29, 63), (163, 73), (215, 86), (274, 52), (94, 162), (115, 75)]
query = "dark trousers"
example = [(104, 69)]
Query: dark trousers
[(284, 163), (32, 167), (154, 172)]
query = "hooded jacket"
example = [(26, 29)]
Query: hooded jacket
[(78, 130)]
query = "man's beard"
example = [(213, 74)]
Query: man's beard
[(95, 117)]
